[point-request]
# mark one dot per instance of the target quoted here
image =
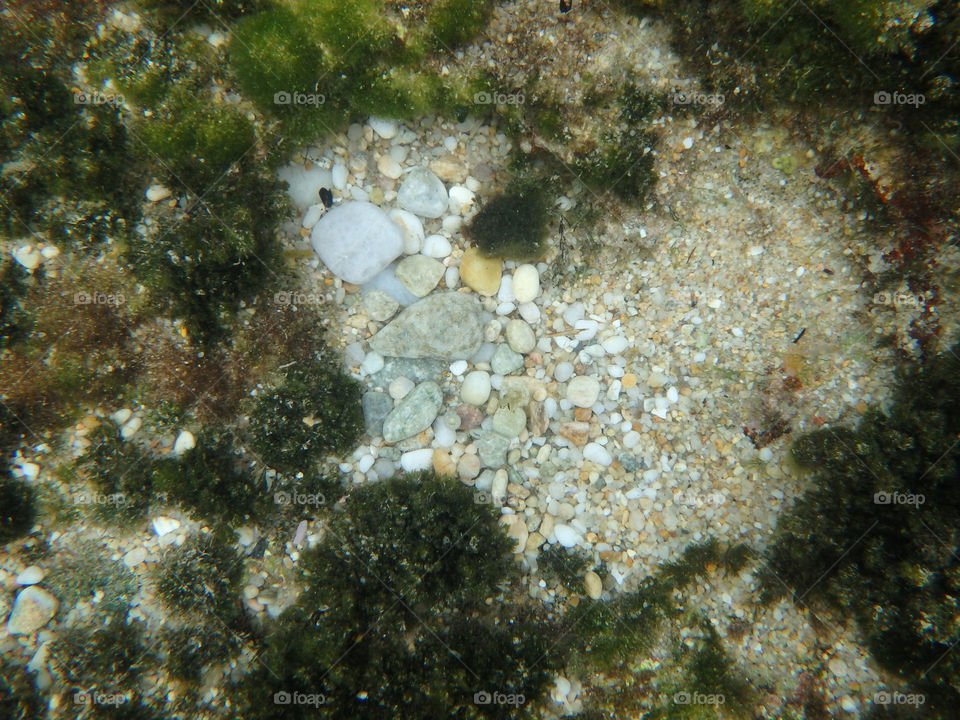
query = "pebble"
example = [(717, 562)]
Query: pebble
[(475, 389), (583, 391), (461, 200), (33, 608), (156, 193), (509, 422), (30, 576), (400, 387), (672, 394), (134, 557), (529, 312), (313, 215), (656, 380), (185, 441), (338, 175), (417, 460), (505, 360), (379, 306), (423, 194), (414, 414), (563, 372), (597, 454), (384, 127), (628, 381), (436, 246), (491, 447), (163, 525), (614, 345), (131, 427), (449, 169), (520, 336), (372, 363), (419, 274), (479, 273), (526, 283), (389, 167), (593, 585), (566, 535), (412, 229), (516, 529), (468, 467), (356, 240), (459, 367)]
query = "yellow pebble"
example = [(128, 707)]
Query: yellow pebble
[(628, 381)]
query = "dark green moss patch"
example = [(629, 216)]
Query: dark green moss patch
[(201, 578), (402, 614), (877, 535), (313, 412), (110, 657), (512, 225), (19, 697)]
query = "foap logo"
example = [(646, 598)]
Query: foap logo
[(85, 498), (882, 97), (498, 698), (898, 498), (483, 498), (498, 98), (286, 297), (99, 698), (900, 299), (298, 98), (97, 98), (298, 698), (885, 697), (282, 497), (698, 698), (98, 298), (695, 97), (692, 499)]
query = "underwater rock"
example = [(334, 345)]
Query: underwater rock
[(356, 241), (33, 608), (423, 193), (419, 274), (414, 414), (443, 325)]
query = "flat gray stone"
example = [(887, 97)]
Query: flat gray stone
[(379, 306), (444, 325), (423, 194), (491, 447), (505, 360), (414, 414), (417, 369), (376, 406), (509, 422), (356, 240), (33, 608)]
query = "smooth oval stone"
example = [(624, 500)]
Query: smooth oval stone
[(414, 414)]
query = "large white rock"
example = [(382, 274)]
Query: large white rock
[(423, 193), (356, 240)]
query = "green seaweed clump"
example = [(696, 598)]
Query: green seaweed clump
[(109, 657), (313, 412), (877, 535), (559, 565), (122, 474), (201, 578), (403, 615), (212, 479), (512, 225)]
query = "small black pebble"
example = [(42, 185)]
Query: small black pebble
[(326, 197)]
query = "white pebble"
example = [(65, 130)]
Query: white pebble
[(339, 176), (566, 535), (417, 460), (597, 454), (443, 435), (583, 391), (631, 439), (476, 388), (164, 525), (27, 256), (130, 428), (529, 312), (615, 345), (588, 329), (384, 127), (459, 367), (156, 193), (563, 372), (672, 394), (436, 246), (451, 276), (31, 576), (313, 214), (526, 283), (185, 441)]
